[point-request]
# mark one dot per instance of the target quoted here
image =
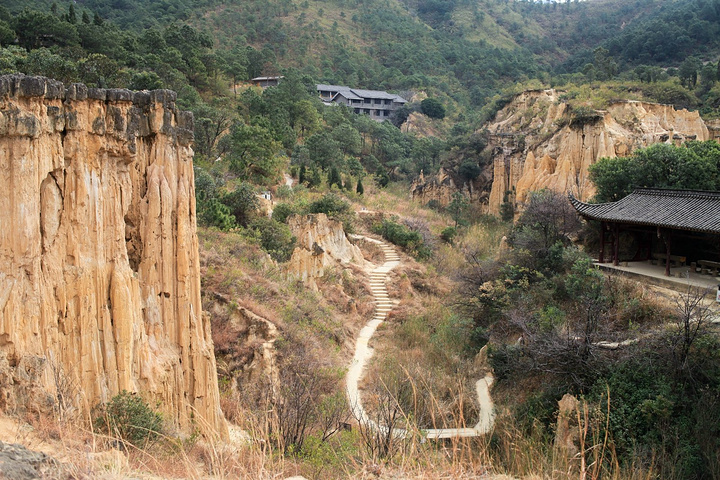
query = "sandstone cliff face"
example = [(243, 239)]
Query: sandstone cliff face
[(536, 144), (439, 187), (320, 242), (99, 272)]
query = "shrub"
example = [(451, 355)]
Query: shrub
[(448, 235), (334, 206), (282, 211), (435, 205), (404, 237), (330, 204), (275, 238), (582, 116), (128, 417)]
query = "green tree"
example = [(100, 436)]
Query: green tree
[(42, 61), (360, 190), (235, 65), (314, 179), (254, 152), (432, 108), (324, 151), (469, 170), (458, 208), (146, 81), (308, 118), (348, 139), (334, 177), (688, 71), (211, 122), (7, 34), (97, 70), (330, 204), (544, 228), (71, 16), (37, 30), (692, 166), (243, 203), (604, 64)]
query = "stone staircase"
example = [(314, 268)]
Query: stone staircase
[(363, 353)]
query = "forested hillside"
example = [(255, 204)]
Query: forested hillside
[(468, 57), (457, 62)]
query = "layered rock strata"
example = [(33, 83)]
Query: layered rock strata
[(321, 242), (537, 142), (99, 270)]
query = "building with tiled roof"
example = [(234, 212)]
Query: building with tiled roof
[(680, 224), (379, 105), (265, 82)]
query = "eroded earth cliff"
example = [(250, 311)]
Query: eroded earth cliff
[(538, 141), (321, 242), (99, 272)]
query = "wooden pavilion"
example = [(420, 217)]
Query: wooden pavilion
[(671, 226)]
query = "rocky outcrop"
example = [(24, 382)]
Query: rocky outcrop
[(246, 343), (321, 242), (19, 463), (99, 270), (567, 432), (438, 188), (537, 141)]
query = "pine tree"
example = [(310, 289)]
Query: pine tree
[(97, 19), (334, 178), (85, 17), (359, 189), (302, 174), (315, 179), (72, 16)]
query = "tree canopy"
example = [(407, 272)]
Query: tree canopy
[(694, 165)]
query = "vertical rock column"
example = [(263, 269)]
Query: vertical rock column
[(99, 268)]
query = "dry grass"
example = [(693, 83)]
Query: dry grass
[(419, 353)]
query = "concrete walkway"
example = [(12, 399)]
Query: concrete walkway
[(680, 277), (363, 353)]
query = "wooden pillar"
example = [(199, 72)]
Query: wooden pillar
[(667, 238), (602, 242), (616, 246)]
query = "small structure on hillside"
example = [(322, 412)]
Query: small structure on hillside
[(674, 227), (265, 82), (377, 104)]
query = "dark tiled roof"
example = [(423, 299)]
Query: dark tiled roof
[(678, 209), (359, 94)]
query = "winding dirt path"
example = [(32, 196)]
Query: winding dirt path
[(363, 353)]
